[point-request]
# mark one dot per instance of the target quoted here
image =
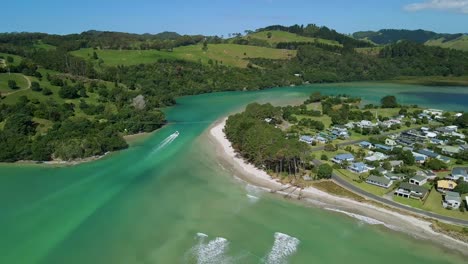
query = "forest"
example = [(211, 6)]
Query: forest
[(107, 102)]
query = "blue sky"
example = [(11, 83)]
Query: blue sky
[(220, 17)]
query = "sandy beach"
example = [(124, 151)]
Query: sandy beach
[(365, 212)]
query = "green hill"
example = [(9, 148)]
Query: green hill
[(460, 43), (226, 54), (274, 37)]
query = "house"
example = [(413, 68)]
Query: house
[(419, 158), (379, 181), (437, 141), (445, 131), (429, 134), (428, 153), (383, 147), (359, 167), (396, 163), (268, 120), (364, 123), (452, 200), (433, 112), (460, 172), (390, 142), (340, 133), (450, 150), (376, 156), (340, 158), (464, 147), (446, 185), (406, 141), (444, 159), (321, 139), (365, 144), (430, 175), (307, 139), (418, 180), (411, 191), (394, 176)]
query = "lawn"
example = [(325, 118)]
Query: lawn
[(20, 80), (416, 203), (124, 57), (41, 45), (433, 203), (352, 178), (460, 43), (283, 36), (230, 54), (227, 54), (16, 59)]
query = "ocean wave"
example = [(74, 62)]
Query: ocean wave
[(362, 218), (283, 247), (209, 252)]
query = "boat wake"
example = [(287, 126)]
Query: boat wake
[(283, 247), (165, 142)]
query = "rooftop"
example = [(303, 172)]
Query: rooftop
[(412, 187), (446, 184), (418, 178), (378, 179)]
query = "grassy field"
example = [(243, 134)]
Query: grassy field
[(17, 59), (432, 80), (124, 57), (283, 36), (373, 51), (21, 82), (41, 45), (460, 43), (227, 54), (352, 177)]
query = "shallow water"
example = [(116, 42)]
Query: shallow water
[(167, 200)]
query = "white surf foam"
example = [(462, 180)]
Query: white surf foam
[(252, 198), (283, 247), (209, 252), (362, 218)]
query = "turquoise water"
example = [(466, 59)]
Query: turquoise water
[(166, 201)]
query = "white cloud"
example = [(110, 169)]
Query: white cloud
[(446, 5)]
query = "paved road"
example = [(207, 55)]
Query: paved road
[(345, 184)]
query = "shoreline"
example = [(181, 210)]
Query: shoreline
[(130, 139), (371, 214)]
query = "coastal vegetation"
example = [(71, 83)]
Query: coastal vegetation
[(294, 144), (93, 78)]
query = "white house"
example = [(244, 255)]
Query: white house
[(340, 158), (452, 200), (390, 142), (418, 180), (435, 112), (376, 156)]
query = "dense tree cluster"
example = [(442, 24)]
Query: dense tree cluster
[(264, 145)]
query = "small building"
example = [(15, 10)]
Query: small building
[(433, 112), (437, 141), (394, 176), (452, 200), (430, 175), (321, 139), (390, 142), (460, 172), (383, 147), (340, 158), (396, 163), (359, 167), (376, 156), (418, 180), (307, 139), (464, 147), (365, 144), (411, 191), (364, 124), (450, 150), (379, 181), (419, 158), (428, 153), (446, 185)]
